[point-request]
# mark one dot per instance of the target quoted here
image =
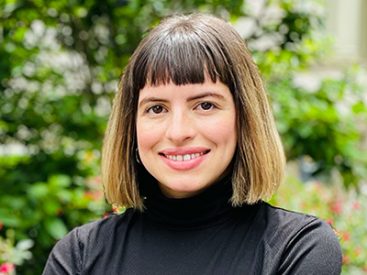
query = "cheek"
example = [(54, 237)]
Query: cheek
[(221, 131), (147, 135)]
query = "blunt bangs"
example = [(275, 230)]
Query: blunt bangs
[(182, 53)]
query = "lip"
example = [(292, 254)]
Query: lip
[(184, 165), (183, 151)]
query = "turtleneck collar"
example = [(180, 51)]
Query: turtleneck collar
[(209, 207)]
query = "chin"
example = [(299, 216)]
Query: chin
[(184, 190)]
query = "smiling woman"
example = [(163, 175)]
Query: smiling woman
[(192, 151), (185, 131)]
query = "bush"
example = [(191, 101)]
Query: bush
[(12, 254), (45, 210), (345, 211), (59, 65), (326, 124)]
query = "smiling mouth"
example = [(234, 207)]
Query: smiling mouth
[(184, 157)]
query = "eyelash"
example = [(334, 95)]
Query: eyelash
[(200, 105), (206, 102), (150, 109)]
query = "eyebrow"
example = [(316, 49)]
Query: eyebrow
[(206, 94), (199, 96)]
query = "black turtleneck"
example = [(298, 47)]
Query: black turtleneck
[(203, 210), (203, 234)]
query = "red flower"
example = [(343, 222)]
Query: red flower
[(346, 259), (93, 195), (345, 236), (6, 268)]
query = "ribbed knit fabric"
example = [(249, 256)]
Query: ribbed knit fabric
[(200, 235)]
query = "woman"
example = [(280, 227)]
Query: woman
[(191, 150)]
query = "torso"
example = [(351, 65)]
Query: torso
[(248, 242)]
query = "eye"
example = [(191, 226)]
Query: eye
[(206, 106), (156, 109)]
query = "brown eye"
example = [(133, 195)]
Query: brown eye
[(206, 106), (156, 109)]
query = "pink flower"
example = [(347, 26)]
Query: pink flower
[(356, 205), (358, 251), (336, 207), (6, 268)]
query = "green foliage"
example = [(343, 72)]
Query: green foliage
[(60, 61), (325, 124), (14, 254), (46, 210), (346, 212)]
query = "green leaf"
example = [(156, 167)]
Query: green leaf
[(56, 228), (38, 190), (59, 181), (51, 206)]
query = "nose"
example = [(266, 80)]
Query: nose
[(180, 128)]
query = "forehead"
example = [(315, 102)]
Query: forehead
[(171, 91)]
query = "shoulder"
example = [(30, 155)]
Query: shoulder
[(97, 230), (102, 228), (287, 221), (290, 223), (71, 252), (305, 243)]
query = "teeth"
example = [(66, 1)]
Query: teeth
[(185, 157)]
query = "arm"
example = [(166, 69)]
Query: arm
[(314, 249)]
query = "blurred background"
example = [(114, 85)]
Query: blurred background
[(60, 61)]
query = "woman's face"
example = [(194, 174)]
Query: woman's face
[(186, 135)]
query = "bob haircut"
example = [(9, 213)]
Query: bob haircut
[(184, 49)]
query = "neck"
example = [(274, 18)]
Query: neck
[(210, 206)]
